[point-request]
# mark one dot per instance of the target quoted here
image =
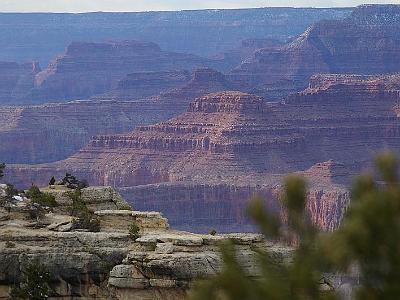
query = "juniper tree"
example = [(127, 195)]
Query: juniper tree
[(367, 241)]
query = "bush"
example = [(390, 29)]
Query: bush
[(41, 198), (213, 232), (367, 240), (85, 219), (52, 181), (34, 283), (134, 231), (72, 182), (2, 167)]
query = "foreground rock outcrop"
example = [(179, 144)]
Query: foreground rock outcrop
[(110, 264)]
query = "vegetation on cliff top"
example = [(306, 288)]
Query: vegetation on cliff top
[(368, 241)]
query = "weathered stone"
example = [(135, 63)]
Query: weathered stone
[(164, 248)]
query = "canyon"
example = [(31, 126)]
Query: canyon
[(315, 106), (158, 263), (229, 146), (50, 132), (366, 42), (40, 36)]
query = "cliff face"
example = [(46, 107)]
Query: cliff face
[(87, 69), (50, 132), (42, 36), (16, 80), (236, 139), (136, 86), (159, 263), (355, 45)]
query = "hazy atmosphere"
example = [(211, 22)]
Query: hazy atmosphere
[(144, 5)]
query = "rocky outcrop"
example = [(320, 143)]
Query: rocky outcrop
[(356, 45), (87, 69), (16, 80), (159, 263)]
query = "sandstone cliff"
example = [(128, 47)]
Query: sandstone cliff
[(50, 132), (110, 264), (355, 45), (42, 36), (234, 142), (16, 80), (87, 69)]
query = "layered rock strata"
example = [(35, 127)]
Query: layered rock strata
[(50, 132), (110, 264), (215, 31), (87, 69), (367, 42), (16, 80), (328, 133)]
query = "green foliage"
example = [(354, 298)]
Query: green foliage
[(2, 167), (72, 182), (369, 237), (11, 191), (367, 241), (85, 219), (41, 198), (297, 280), (34, 284), (52, 181), (134, 231)]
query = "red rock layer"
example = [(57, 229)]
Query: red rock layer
[(45, 133), (235, 139)]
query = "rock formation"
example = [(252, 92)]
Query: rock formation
[(16, 80), (87, 69), (158, 264), (50, 132), (141, 85), (355, 45), (42, 36), (233, 145)]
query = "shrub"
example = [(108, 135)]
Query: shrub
[(34, 283), (10, 244), (2, 167), (52, 181), (72, 182), (85, 219), (367, 240), (213, 232), (41, 198), (134, 231)]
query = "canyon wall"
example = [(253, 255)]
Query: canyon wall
[(16, 80), (35, 36), (239, 143), (354, 45), (87, 69), (50, 132)]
